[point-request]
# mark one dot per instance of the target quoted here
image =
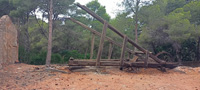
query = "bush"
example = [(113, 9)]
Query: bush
[(39, 58), (75, 54), (56, 59)]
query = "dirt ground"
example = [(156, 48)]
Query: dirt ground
[(30, 77)]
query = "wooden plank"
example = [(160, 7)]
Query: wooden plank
[(123, 52), (117, 63), (146, 59), (95, 60), (92, 46), (120, 34), (110, 51), (93, 63), (101, 44), (150, 65), (134, 59), (99, 34)]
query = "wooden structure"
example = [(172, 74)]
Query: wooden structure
[(122, 62)]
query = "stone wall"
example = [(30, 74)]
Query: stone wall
[(8, 42)]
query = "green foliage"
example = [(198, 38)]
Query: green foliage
[(56, 58), (98, 9), (124, 24), (22, 7), (168, 25), (174, 4), (5, 7), (188, 51), (37, 37), (94, 5), (38, 58), (60, 7), (179, 27), (149, 14), (23, 55), (194, 8)]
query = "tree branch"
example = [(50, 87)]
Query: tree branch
[(129, 4), (41, 28)]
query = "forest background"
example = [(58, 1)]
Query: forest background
[(162, 25)]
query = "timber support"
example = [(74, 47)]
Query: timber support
[(92, 46), (110, 51), (122, 62), (100, 50), (122, 57)]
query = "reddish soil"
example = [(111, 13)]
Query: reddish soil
[(30, 77)]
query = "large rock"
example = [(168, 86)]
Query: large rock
[(8, 42)]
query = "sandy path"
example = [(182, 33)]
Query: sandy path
[(148, 79)]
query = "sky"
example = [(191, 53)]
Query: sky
[(111, 5)]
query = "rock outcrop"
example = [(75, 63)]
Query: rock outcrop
[(8, 42)]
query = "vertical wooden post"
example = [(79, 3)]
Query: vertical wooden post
[(123, 53), (146, 59), (129, 55), (101, 44), (92, 46), (110, 51), (86, 51)]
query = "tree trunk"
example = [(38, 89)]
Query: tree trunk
[(136, 33), (136, 22), (48, 58), (154, 48), (198, 50), (178, 58), (177, 47), (27, 40)]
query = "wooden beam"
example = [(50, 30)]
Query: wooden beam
[(93, 63), (146, 59), (117, 63), (123, 52), (101, 44), (129, 56), (110, 51), (95, 60), (99, 34), (150, 65), (92, 46)]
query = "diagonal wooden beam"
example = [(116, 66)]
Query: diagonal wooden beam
[(99, 34)]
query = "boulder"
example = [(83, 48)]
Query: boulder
[(8, 42)]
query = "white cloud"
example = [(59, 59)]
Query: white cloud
[(111, 5)]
